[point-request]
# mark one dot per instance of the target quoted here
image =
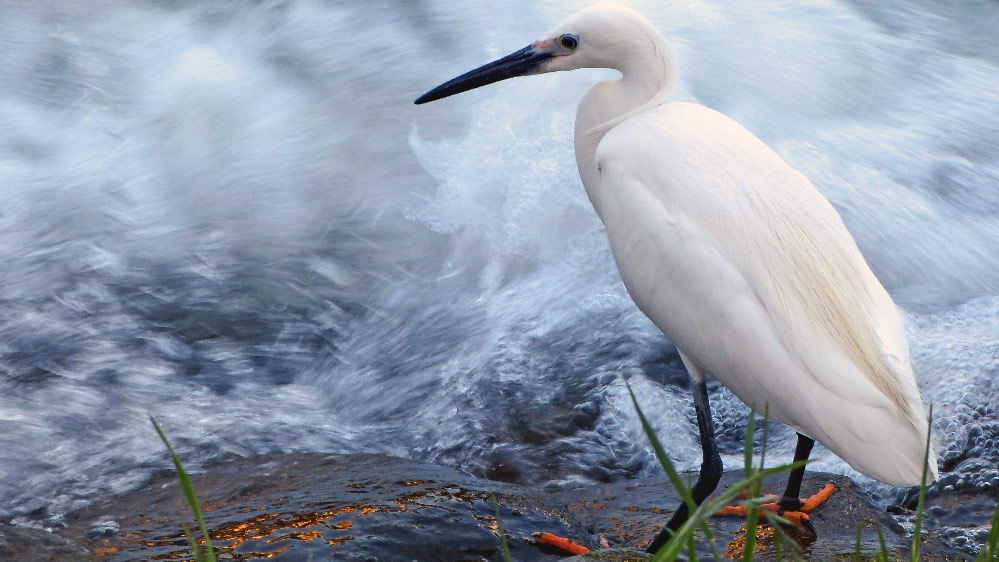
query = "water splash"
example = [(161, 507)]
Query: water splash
[(233, 218)]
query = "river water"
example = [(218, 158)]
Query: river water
[(231, 216)]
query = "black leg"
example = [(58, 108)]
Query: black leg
[(791, 500), (711, 467)]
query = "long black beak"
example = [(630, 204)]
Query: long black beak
[(523, 62)]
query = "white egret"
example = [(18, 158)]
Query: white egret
[(734, 255)]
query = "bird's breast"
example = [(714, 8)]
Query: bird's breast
[(670, 266)]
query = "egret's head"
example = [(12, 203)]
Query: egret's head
[(600, 36)]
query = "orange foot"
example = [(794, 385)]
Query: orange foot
[(799, 517), (559, 542)]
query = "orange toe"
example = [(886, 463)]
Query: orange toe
[(814, 501), (797, 517), (559, 542), (741, 510)]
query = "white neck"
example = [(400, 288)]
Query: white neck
[(646, 66)]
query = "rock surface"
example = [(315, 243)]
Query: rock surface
[(25, 543), (374, 507)]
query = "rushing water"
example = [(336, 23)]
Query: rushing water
[(229, 215)]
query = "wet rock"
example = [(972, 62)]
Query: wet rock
[(612, 555), (360, 507), (630, 514), (103, 528), (24, 543), (374, 507)]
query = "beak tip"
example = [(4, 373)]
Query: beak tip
[(519, 63), (433, 95)]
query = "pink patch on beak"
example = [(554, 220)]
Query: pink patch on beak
[(542, 45)]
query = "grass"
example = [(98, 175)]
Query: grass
[(990, 552), (499, 528), (206, 554), (753, 491), (917, 534), (882, 555), (684, 538)]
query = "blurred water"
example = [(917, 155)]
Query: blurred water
[(232, 217)]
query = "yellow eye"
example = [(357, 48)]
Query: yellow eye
[(568, 41)]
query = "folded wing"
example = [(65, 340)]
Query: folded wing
[(751, 272)]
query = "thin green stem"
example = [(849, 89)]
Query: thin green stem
[(752, 511), (192, 500), (917, 535), (883, 555), (500, 529), (990, 550)]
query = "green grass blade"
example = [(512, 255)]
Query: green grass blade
[(883, 555), (199, 553), (993, 541), (679, 540), (667, 465), (766, 424), (778, 540), (751, 519), (499, 527), (917, 533), (671, 473), (990, 550), (752, 513), (747, 446), (185, 483), (856, 545), (782, 468), (781, 539)]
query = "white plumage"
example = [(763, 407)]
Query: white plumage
[(735, 255), (752, 275)]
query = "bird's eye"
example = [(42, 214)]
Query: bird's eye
[(568, 41)]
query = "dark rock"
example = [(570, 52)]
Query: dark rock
[(360, 507), (612, 555), (25, 543), (103, 528), (374, 507)]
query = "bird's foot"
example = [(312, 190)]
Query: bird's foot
[(791, 509), (559, 542)]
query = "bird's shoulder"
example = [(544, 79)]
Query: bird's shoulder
[(680, 120), (683, 137)]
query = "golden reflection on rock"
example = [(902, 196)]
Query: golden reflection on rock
[(276, 527), (764, 540)]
